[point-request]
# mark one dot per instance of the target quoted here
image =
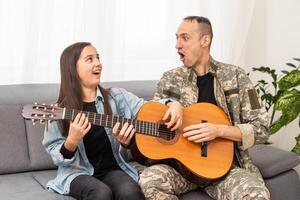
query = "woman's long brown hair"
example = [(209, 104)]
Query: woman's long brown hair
[(70, 93)]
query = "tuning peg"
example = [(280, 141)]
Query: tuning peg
[(35, 103), (33, 121), (42, 121)]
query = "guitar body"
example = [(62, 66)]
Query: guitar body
[(185, 156)]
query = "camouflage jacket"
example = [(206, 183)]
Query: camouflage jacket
[(234, 93)]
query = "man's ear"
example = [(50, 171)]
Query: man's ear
[(205, 40)]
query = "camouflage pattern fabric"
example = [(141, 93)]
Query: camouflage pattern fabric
[(239, 184), (236, 95), (162, 182)]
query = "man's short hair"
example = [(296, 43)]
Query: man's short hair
[(204, 24)]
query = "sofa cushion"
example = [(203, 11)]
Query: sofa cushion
[(42, 177), (14, 154), (17, 183), (272, 161), (36, 195), (28, 93), (284, 186), (30, 185), (39, 158), (143, 89)]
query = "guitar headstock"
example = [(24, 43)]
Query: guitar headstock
[(42, 112)]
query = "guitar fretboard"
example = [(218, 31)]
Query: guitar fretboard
[(144, 127)]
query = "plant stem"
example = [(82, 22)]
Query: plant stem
[(272, 116), (273, 110)]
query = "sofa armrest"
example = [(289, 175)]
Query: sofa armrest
[(272, 161)]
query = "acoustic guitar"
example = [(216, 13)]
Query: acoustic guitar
[(155, 143)]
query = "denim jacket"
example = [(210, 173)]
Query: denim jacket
[(122, 103)]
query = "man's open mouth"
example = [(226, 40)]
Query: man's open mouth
[(181, 55)]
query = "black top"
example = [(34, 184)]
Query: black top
[(205, 85), (97, 146)]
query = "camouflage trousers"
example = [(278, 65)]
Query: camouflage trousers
[(162, 182)]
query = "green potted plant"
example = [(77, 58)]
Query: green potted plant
[(281, 95)]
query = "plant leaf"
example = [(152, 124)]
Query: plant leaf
[(284, 119), (291, 65), (278, 95), (290, 80), (296, 148), (297, 59), (268, 97), (288, 100), (274, 83), (289, 104), (263, 82), (284, 71), (267, 70)]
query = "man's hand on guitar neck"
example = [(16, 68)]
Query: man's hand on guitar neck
[(205, 132), (175, 114), (173, 118)]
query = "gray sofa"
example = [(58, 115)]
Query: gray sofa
[(25, 167)]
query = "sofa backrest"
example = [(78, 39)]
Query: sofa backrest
[(20, 142)]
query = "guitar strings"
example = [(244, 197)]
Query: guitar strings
[(71, 113), (162, 133)]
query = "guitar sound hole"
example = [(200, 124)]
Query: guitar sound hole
[(165, 133)]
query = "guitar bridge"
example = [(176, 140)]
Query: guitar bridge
[(204, 149), (204, 144)]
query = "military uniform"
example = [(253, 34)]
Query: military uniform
[(235, 94)]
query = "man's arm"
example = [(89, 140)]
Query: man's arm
[(254, 117)]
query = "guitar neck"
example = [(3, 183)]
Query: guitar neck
[(143, 127)]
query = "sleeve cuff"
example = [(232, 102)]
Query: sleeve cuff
[(168, 101), (247, 135), (66, 153), (126, 146), (162, 101)]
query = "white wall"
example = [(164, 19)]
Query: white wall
[(135, 38), (273, 40)]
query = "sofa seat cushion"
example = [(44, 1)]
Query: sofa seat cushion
[(36, 195), (284, 186), (42, 177), (29, 185), (272, 161)]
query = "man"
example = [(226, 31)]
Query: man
[(202, 79)]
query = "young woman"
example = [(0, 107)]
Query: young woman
[(88, 157)]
